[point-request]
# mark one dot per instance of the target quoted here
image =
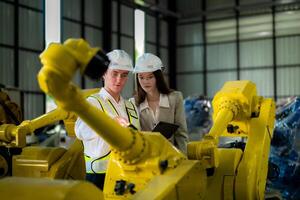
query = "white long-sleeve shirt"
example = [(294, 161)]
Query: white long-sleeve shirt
[(94, 145)]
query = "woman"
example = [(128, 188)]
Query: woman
[(156, 102)]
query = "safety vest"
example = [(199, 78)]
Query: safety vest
[(99, 165), (132, 114)]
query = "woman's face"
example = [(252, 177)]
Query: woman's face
[(147, 81)]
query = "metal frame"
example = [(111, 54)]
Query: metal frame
[(16, 48), (237, 8), (204, 51), (238, 62), (274, 53), (240, 8), (107, 21), (16, 42), (82, 31), (172, 38), (83, 24), (119, 23), (120, 3)]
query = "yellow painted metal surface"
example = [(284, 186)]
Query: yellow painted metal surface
[(36, 161), (251, 180), (151, 180), (15, 136), (145, 165), (51, 162), (238, 112), (16, 188), (187, 181), (221, 184), (40, 161)]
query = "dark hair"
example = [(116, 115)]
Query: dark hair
[(162, 87)]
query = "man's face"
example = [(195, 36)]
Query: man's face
[(115, 80)]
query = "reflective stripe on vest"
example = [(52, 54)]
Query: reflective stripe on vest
[(132, 114), (97, 166), (130, 111), (113, 107)]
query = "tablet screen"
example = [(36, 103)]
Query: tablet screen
[(166, 129)]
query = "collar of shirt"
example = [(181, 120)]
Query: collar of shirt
[(163, 102), (119, 106), (105, 95)]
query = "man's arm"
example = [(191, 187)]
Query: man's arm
[(82, 130)]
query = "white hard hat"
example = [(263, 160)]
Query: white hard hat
[(119, 59), (147, 63)]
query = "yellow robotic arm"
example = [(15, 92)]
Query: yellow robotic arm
[(240, 113), (15, 136), (236, 101), (35, 161), (144, 165), (139, 162)]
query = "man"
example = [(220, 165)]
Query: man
[(110, 101)]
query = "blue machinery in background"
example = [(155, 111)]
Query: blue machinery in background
[(284, 160)]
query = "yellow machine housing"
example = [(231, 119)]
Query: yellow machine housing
[(16, 188), (238, 112), (145, 165), (51, 162)]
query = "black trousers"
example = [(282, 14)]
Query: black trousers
[(96, 179)]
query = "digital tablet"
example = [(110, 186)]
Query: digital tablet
[(166, 129)]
